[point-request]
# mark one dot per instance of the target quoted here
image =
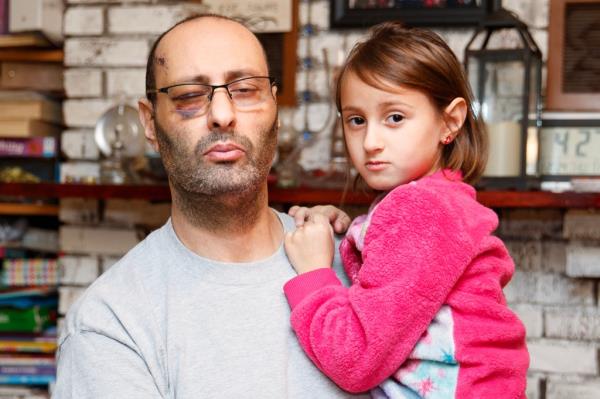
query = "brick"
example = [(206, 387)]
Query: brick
[(333, 42), (583, 259), (533, 387), (79, 145), (84, 113), (136, 213), (106, 52), (317, 83), (527, 255), (148, 19), (549, 289), (530, 223), (78, 211), (555, 356), (540, 36), (78, 270), (532, 318), (107, 262), (582, 224), (97, 240), (575, 390), (576, 323), (84, 21), (83, 82), (129, 82), (67, 296), (554, 256), (319, 13), (534, 12)]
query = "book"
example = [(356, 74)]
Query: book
[(27, 346), (29, 272), (43, 110), (42, 76), (33, 319), (43, 147), (24, 40), (18, 359), (26, 370), (27, 379), (28, 128), (3, 17), (44, 16)]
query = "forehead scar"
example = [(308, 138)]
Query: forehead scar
[(162, 61)]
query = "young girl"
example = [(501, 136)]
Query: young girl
[(425, 316)]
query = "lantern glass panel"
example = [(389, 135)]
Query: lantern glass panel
[(499, 89)]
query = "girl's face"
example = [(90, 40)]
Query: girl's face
[(393, 136)]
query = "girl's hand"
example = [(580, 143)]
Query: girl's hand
[(311, 246), (338, 218)]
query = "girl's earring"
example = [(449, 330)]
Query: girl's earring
[(447, 140)]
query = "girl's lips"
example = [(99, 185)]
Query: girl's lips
[(224, 152), (375, 166)]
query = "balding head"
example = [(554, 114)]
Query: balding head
[(223, 33)]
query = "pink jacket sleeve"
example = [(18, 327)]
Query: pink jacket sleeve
[(418, 245)]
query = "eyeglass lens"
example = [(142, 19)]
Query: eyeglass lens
[(244, 93)]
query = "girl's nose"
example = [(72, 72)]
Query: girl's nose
[(372, 141)]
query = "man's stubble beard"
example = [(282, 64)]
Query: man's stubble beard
[(190, 175)]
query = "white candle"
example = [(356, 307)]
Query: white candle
[(505, 149)]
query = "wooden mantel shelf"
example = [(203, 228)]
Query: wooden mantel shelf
[(303, 195)]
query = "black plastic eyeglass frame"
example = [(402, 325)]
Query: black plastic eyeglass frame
[(165, 90)]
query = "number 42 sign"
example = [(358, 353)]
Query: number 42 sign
[(570, 151)]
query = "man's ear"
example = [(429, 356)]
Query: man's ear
[(274, 92), (454, 117), (146, 112)]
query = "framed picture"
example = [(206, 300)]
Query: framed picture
[(364, 13), (573, 63)]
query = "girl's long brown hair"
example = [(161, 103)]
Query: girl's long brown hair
[(419, 59)]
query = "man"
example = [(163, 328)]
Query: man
[(196, 310)]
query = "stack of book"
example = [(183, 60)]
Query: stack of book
[(30, 126), (27, 336)]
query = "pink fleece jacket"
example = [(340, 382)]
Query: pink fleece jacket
[(425, 315)]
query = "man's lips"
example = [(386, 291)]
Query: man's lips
[(375, 166), (224, 152)]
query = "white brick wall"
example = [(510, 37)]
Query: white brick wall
[(84, 21), (576, 323), (106, 52), (549, 289), (130, 82), (83, 82), (554, 356), (557, 389), (148, 19)]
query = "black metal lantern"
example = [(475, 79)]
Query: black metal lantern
[(506, 81)]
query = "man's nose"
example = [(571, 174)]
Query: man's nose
[(221, 112)]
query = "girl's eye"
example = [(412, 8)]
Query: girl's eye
[(355, 121), (395, 118)]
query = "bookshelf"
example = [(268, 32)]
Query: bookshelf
[(31, 77), (300, 195)]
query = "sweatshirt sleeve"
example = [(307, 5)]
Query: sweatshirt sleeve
[(417, 247)]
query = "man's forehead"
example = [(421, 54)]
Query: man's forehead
[(211, 48)]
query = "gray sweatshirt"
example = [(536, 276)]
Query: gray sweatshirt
[(166, 323)]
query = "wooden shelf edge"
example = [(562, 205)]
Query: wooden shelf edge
[(302, 195), (28, 209), (32, 55)]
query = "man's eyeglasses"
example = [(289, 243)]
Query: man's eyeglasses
[(193, 98)]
